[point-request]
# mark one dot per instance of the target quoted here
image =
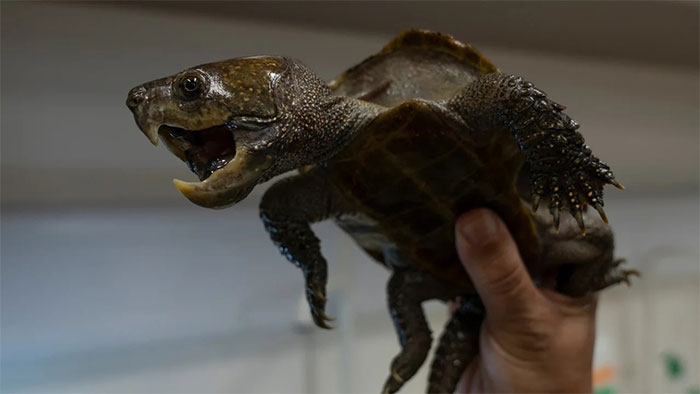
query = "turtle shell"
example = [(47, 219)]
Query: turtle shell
[(416, 64), (413, 170)]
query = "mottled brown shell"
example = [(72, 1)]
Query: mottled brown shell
[(411, 173), (412, 170), (416, 64)]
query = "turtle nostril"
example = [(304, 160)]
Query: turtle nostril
[(136, 97)]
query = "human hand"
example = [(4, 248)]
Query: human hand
[(532, 339)]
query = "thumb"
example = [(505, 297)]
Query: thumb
[(491, 259)]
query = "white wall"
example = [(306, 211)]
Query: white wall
[(190, 300)]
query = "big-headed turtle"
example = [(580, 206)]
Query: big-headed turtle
[(394, 150)]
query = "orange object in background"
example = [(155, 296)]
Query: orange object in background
[(603, 375)]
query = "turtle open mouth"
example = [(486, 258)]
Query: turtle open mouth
[(204, 151)]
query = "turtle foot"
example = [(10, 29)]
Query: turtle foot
[(316, 296), (574, 189), (617, 275), (579, 280), (563, 169), (393, 383), (459, 344)]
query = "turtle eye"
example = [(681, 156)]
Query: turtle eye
[(191, 86)]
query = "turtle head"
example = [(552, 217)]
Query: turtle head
[(233, 123)]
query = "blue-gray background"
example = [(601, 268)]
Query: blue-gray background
[(113, 282)]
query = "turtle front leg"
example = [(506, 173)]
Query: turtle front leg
[(287, 210), (562, 167)]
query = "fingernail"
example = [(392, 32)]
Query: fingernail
[(480, 227)]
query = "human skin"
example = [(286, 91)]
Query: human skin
[(532, 339)]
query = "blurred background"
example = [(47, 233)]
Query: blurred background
[(113, 282)]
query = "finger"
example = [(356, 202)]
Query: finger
[(491, 259)]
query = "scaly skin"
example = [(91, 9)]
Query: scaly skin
[(407, 289), (458, 345), (282, 117), (286, 210), (562, 167)]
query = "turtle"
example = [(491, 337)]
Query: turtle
[(394, 150)]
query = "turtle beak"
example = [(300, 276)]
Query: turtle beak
[(230, 184), (142, 101), (150, 130)]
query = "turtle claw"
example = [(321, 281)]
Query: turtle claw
[(615, 274), (601, 212), (393, 383), (319, 295), (616, 184), (573, 192), (321, 320), (623, 275), (626, 276), (581, 225), (555, 219), (619, 276), (536, 202), (323, 325), (317, 303), (319, 316), (618, 262)]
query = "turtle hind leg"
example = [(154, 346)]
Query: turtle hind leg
[(407, 290), (579, 280), (459, 344), (411, 327), (618, 275)]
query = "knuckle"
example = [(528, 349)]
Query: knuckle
[(536, 335), (533, 332), (526, 338), (508, 278), (506, 282)]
